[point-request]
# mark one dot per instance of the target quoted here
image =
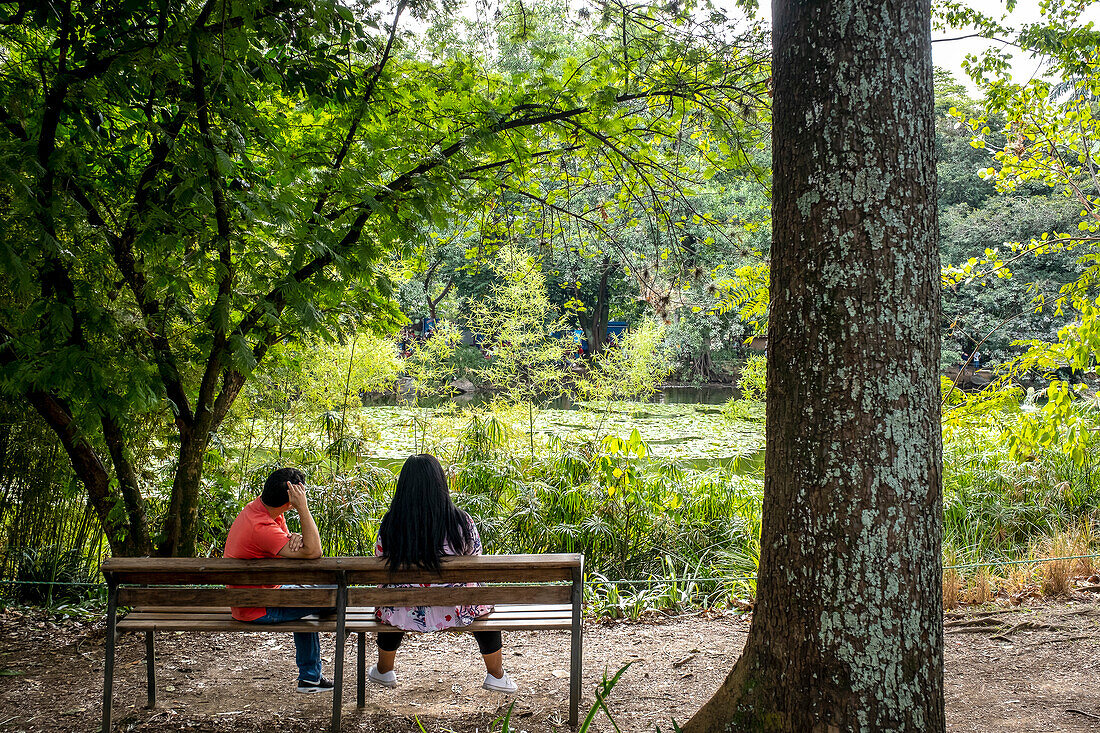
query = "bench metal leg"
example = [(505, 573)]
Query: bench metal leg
[(341, 637), (150, 671), (361, 674), (109, 661), (575, 633)]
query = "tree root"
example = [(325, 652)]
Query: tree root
[(1025, 626), (994, 626), (965, 625), (1059, 640)]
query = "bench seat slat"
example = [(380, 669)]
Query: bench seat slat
[(137, 620), (321, 597), (175, 622), (458, 596), (358, 615), (352, 610), (488, 623), (360, 570), (258, 574), (366, 624)]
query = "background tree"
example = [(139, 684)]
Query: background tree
[(1042, 139), (632, 370), (608, 247), (994, 288), (524, 337), (847, 629)]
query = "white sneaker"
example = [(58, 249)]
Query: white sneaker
[(389, 679), (503, 684)]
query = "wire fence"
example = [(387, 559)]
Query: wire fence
[(665, 581), (746, 578)]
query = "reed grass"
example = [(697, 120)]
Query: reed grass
[(50, 541), (997, 510)]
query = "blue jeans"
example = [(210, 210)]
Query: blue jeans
[(307, 644)]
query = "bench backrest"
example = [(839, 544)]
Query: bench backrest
[(527, 579)]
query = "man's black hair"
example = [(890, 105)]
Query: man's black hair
[(275, 493), (422, 518)]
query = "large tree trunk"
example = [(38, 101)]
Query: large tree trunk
[(847, 633), (181, 523), (129, 488)]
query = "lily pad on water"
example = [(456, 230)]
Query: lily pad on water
[(674, 441), (681, 431)]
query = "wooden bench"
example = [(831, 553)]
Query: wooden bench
[(189, 594)]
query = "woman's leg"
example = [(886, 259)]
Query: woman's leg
[(388, 641), (490, 645)]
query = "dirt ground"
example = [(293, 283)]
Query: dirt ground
[(1033, 668)]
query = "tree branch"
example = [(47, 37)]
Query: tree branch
[(220, 311), (353, 129), (138, 537), (13, 126), (275, 300), (17, 17), (86, 464)]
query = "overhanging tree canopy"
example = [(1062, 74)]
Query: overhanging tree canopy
[(188, 184)]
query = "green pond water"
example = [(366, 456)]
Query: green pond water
[(693, 432)]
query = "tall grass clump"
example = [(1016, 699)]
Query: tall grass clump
[(999, 510), (952, 581), (635, 518), (649, 529)]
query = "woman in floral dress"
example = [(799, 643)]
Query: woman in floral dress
[(421, 526)]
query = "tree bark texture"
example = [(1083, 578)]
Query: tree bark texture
[(847, 633), (181, 521)]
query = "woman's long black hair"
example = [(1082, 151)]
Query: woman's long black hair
[(422, 517)]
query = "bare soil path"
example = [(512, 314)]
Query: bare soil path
[(1033, 668)]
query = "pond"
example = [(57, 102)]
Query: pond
[(682, 423)]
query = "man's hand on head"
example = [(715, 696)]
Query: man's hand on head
[(297, 495), (306, 545)]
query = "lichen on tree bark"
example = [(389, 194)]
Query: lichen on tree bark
[(847, 631)]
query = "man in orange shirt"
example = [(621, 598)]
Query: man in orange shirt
[(260, 531)]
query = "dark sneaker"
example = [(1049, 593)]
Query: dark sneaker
[(322, 685)]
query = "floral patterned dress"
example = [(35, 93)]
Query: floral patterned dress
[(434, 618)]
